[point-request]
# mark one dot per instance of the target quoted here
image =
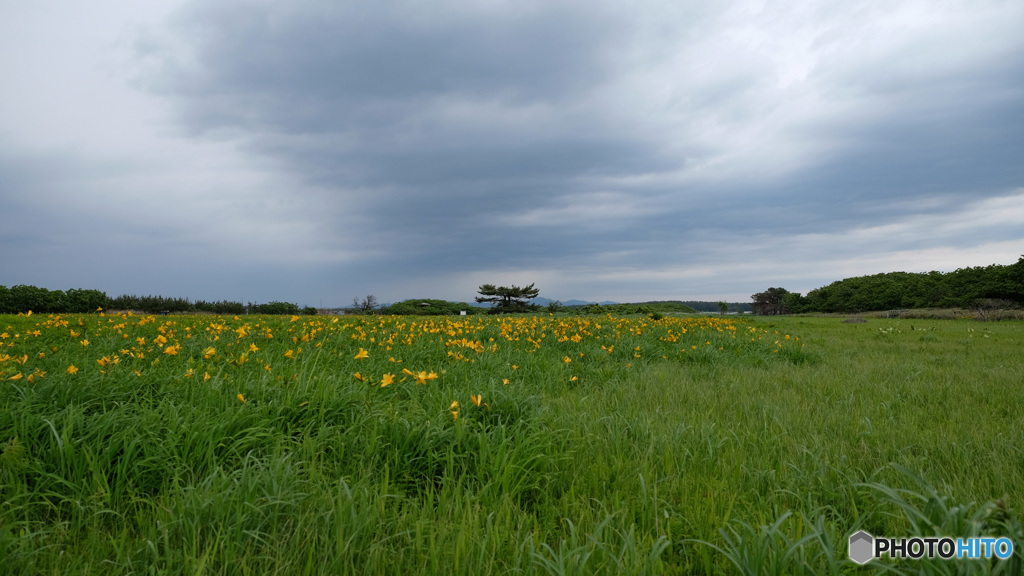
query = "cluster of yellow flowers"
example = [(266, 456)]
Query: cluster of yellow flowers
[(365, 349)]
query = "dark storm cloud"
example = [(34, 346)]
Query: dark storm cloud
[(427, 123)]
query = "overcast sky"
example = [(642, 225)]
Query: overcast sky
[(647, 150)]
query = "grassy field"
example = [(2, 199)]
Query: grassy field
[(515, 445)]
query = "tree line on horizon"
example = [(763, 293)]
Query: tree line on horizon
[(995, 285), (23, 298)]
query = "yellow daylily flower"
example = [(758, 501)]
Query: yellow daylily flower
[(422, 377), (387, 379)]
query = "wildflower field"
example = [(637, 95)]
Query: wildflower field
[(532, 444)]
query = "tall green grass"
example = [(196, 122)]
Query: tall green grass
[(740, 460)]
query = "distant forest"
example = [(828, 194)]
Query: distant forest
[(993, 286), (24, 298)]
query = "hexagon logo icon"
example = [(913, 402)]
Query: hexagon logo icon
[(862, 547)]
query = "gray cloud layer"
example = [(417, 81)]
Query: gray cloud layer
[(664, 150)]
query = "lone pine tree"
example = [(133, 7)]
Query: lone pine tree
[(508, 299)]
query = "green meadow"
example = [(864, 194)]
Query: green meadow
[(529, 445)]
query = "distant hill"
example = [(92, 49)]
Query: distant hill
[(572, 302), (542, 301), (700, 306), (657, 305)]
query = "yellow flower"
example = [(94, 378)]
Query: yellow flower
[(241, 399), (289, 354), (566, 359), (514, 367), (16, 376), (504, 381), (72, 369), (103, 361), (573, 379), (85, 342), (455, 404), (387, 379), (422, 377), (206, 376), (475, 398), (253, 348), (41, 355), (189, 373), (407, 372), (363, 354), (141, 341), (208, 353), (359, 377), (172, 350)]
